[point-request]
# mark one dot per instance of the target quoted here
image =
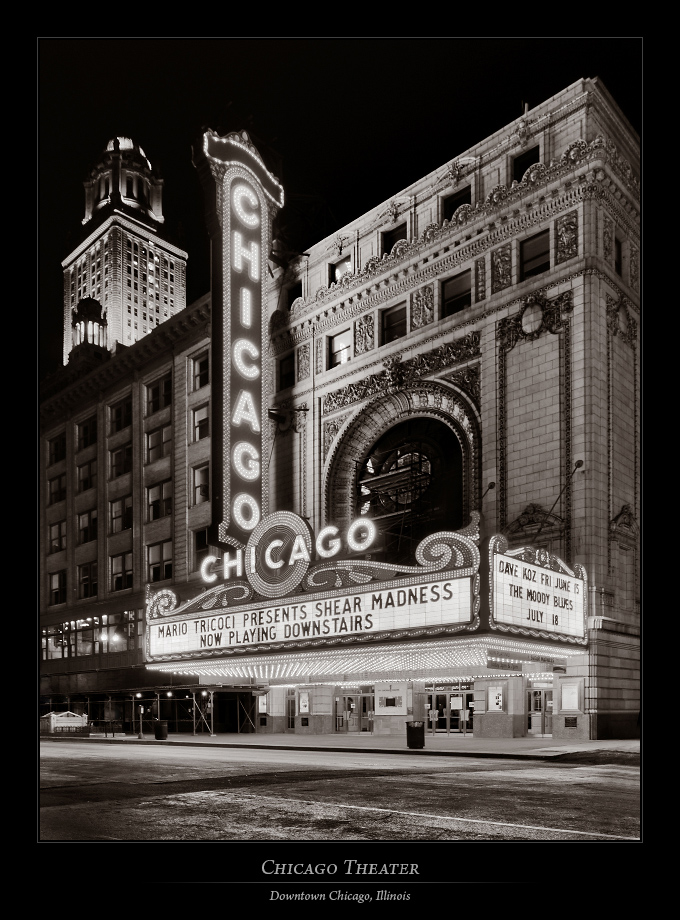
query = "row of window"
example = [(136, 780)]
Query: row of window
[(158, 396), (158, 504), (117, 632), (456, 295), (158, 445), (158, 568)]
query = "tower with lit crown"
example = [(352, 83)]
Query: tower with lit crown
[(123, 263)]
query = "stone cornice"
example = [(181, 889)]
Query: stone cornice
[(119, 220), (63, 391)]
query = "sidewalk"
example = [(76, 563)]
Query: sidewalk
[(454, 745)]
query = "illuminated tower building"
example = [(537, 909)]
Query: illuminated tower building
[(123, 263)]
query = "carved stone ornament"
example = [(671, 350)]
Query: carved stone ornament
[(480, 279), (533, 518), (364, 334), (625, 525), (537, 315), (422, 307), (467, 380), (303, 362), (634, 268), (619, 321), (566, 233), (397, 374), (330, 431), (319, 356), (501, 265)]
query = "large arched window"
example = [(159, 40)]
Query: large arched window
[(411, 484)]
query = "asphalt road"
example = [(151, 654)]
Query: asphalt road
[(92, 792)]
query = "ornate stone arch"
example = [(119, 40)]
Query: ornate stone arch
[(361, 429)]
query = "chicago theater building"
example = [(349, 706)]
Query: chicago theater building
[(394, 479)]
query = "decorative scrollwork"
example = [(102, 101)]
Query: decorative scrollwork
[(161, 604)]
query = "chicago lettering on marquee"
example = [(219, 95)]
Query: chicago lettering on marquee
[(242, 197)]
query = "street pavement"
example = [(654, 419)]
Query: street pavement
[(440, 744)]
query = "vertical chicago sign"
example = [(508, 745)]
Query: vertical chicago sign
[(242, 197)]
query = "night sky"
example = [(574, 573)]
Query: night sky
[(343, 123)]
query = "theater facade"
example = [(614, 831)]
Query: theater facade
[(393, 478)]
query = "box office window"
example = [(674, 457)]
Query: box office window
[(456, 293), (535, 255)]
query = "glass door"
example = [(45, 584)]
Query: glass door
[(539, 712), (438, 712)]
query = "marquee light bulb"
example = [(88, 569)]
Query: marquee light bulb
[(359, 545), (240, 192), (246, 308), (249, 470), (241, 501), (333, 546), (252, 256), (252, 371), (245, 412)]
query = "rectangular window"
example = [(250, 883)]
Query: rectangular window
[(618, 257), (121, 514), (87, 476), (287, 371), (57, 489), (158, 443), (121, 460), (87, 580), (337, 269), (160, 561), (456, 293), (201, 484), (56, 538), (121, 572), (521, 163), (201, 548), (391, 237), (57, 448), (339, 348), (201, 371), (87, 432), (159, 394), (535, 255), (87, 527), (201, 423), (159, 500), (393, 323), (451, 203), (121, 415), (58, 587)]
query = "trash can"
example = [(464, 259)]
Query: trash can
[(415, 734), (160, 730)]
